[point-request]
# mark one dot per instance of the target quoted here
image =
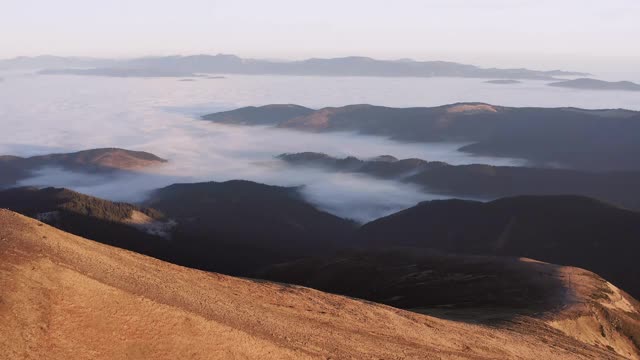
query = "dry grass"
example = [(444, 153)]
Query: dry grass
[(64, 297), (465, 108), (598, 313)]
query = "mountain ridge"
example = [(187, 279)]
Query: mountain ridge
[(59, 283), (567, 230), (234, 227), (232, 64), (100, 160), (597, 139), (483, 181)]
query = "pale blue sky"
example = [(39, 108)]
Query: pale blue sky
[(500, 32)]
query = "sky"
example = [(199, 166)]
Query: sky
[(483, 32)]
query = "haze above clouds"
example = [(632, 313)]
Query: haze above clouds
[(44, 114), (578, 34)]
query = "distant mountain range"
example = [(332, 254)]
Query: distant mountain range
[(52, 62), (482, 181), (231, 64), (14, 168), (119, 72), (567, 137)]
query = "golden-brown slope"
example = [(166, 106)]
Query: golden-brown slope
[(598, 313), (65, 297)]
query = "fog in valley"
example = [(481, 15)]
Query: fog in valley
[(46, 114)]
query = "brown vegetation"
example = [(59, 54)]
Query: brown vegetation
[(67, 297), (13, 168)]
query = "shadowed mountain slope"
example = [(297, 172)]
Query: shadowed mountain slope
[(485, 181), (567, 230), (496, 291), (124, 225), (226, 226), (575, 138), (67, 297), (412, 278), (235, 227)]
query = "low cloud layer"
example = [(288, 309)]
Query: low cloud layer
[(45, 114)]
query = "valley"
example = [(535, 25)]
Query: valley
[(334, 180)]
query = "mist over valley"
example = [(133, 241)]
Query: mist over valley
[(162, 116), (409, 180)]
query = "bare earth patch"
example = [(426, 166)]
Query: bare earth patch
[(470, 108), (149, 225)]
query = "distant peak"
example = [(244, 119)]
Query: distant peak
[(471, 108)]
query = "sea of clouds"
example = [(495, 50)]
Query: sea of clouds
[(45, 114)]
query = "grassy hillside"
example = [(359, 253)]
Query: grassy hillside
[(567, 230), (73, 298)]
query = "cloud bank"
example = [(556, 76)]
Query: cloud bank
[(45, 114)]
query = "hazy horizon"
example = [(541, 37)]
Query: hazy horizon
[(330, 179), (64, 113), (575, 35)]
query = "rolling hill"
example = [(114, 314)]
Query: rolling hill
[(239, 226), (566, 230), (235, 227), (568, 137), (124, 225), (14, 168), (492, 291), (68, 297)]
